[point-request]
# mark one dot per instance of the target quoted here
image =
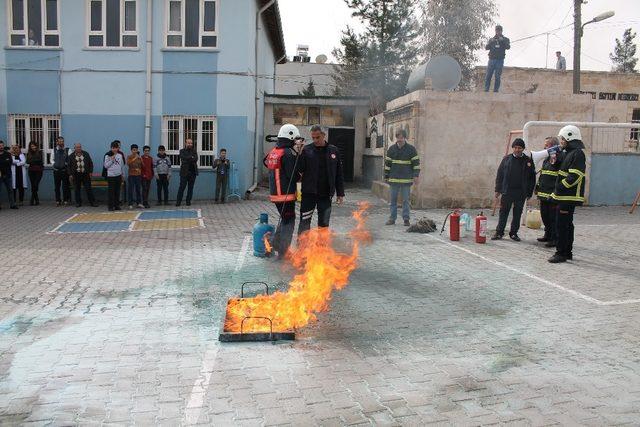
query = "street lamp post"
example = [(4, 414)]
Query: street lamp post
[(578, 28)]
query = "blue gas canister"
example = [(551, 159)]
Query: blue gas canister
[(261, 229)]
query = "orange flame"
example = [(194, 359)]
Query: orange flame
[(322, 269), (267, 245)]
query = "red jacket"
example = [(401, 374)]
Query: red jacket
[(147, 168)]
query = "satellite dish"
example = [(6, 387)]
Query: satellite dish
[(321, 59), (444, 71)]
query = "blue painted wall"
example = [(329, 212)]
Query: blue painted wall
[(614, 179), (100, 94)]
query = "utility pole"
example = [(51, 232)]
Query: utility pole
[(577, 36)]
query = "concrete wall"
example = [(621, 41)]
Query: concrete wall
[(293, 77), (545, 81), (100, 94), (462, 138)]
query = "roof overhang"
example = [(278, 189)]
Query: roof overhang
[(274, 29)]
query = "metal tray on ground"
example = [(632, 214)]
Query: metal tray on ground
[(228, 336)]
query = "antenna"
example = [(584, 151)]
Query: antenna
[(321, 59)]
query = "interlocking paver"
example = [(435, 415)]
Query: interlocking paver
[(114, 328)]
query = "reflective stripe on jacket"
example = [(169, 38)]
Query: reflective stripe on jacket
[(401, 165), (570, 182), (547, 181)]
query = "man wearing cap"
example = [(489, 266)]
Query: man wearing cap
[(515, 181), (496, 46)]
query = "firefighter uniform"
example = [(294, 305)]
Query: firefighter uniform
[(568, 191), (401, 166), (548, 208), (282, 162)]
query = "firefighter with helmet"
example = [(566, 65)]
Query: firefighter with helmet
[(569, 190), (282, 163)]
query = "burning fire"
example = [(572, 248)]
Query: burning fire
[(322, 269), (267, 245)]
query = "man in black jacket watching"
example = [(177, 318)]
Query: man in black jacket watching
[(80, 170), (188, 171), (496, 46), (515, 181), (322, 178), (6, 160)]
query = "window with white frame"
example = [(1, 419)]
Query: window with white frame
[(112, 23), (43, 130), (192, 23), (34, 23), (201, 129)]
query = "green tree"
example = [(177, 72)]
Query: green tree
[(623, 55), (456, 28), (310, 90), (377, 62)]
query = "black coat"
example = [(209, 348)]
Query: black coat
[(188, 162), (520, 167), (88, 163), (309, 167), (570, 183), (547, 179), (6, 161)]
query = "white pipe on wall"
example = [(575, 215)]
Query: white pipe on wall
[(149, 45)]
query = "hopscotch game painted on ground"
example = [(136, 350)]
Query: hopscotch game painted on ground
[(113, 222)]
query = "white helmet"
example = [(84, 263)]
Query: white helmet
[(289, 132), (570, 133)]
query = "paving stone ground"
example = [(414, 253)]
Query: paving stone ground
[(121, 328)]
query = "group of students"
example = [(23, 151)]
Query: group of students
[(560, 189), (17, 170), (143, 168), (75, 166)]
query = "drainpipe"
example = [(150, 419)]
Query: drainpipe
[(256, 142), (147, 107)]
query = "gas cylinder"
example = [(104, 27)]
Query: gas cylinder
[(454, 226), (481, 228), (260, 230)]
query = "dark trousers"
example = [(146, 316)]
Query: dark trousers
[(135, 183), (309, 203), (221, 187), (113, 191), (61, 179), (186, 182), (284, 231), (34, 178), (507, 202), (163, 187), (18, 194), (83, 180), (564, 226), (146, 186), (494, 67), (548, 212), (5, 181)]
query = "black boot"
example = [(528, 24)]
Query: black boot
[(37, 199), (557, 258), (32, 201)]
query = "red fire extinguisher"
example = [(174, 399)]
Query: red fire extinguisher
[(454, 226), (481, 228)]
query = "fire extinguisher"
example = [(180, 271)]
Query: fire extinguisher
[(454, 225), (481, 228)]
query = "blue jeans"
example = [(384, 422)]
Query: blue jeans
[(5, 181), (404, 190), (135, 184), (495, 66)]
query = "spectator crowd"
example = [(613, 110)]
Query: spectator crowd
[(129, 177)]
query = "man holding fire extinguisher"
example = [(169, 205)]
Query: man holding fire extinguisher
[(515, 181)]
